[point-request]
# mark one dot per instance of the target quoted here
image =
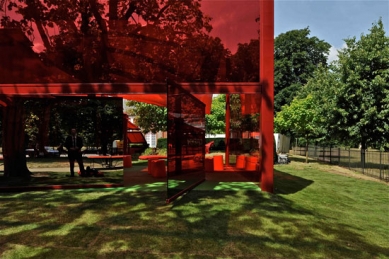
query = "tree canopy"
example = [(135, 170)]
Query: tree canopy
[(215, 122), (300, 117), (245, 63), (296, 56), (323, 89), (362, 100), (349, 97), (138, 41), (150, 118), (110, 41)]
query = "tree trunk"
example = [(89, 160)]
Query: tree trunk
[(15, 163)]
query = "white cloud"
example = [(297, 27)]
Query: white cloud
[(333, 54)]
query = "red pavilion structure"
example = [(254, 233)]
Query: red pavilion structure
[(187, 105)]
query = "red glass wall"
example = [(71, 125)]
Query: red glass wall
[(186, 141)]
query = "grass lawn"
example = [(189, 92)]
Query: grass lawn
[(317, 211)]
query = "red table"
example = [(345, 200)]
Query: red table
[(152, 157)]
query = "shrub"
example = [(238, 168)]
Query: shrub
[(162, 143)]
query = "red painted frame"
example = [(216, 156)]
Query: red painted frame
[(265, 87), (266, 68)]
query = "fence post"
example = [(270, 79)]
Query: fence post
[(349, 158), (338, 155), (363, 158), (330, 153), (380, 165)]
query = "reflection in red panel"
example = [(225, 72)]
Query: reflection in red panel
[(123, 42), (186, 140)]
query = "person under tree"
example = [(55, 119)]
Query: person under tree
[(73, 144)]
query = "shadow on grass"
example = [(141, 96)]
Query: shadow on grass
[(301, 159), (59, 178), (201, 224), (287, 184)]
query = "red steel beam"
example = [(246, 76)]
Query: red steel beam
[(266, 68), (110, 89)]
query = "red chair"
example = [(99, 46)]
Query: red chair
[(208, 147)]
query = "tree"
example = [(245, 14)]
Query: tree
[(245, 63), (362, 101), (148, 117), (296, 56), (152, 118), (323, 88), (97, 120), (300, 118), (145, 41), (15, 163), (215, 122)]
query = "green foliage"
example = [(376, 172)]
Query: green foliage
[(362, 99), (245, 63), (149, 151), (162, 151), (296, 56), (349, 99), (128, 50), (215, 122), (323, 89), (299, 117), (98, 121), (150, 118), (162, 143)]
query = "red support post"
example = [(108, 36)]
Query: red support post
[(228, 135), (125, 139), (266, 75)]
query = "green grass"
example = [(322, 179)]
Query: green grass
[(42, 176), (313, 214), (59, 178)]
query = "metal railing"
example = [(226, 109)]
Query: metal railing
[(375, 164)]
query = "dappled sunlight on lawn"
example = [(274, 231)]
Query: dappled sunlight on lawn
[(301, 220)]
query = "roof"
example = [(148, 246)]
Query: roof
[(136, 137)]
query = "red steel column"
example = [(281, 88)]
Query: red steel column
[(125, 139), (228, 134), (266, 68)]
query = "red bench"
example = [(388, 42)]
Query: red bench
[(157, 168)]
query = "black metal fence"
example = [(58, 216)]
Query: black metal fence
[(375, 164)]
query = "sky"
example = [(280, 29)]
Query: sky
[(329, 20)]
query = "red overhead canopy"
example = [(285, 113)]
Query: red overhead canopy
[(161, 100), (207, 100), (136, 137), (132, 126)]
